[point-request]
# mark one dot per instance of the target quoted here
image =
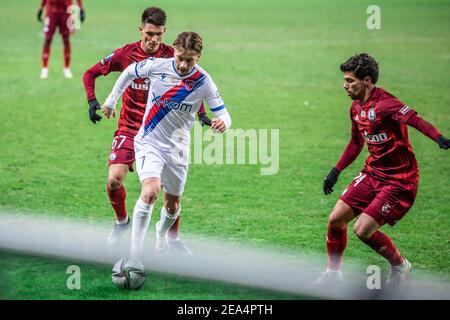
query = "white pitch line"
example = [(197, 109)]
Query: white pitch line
[(280, 270)]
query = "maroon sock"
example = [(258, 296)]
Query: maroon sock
[(382, 244), (117, 199), (336, 243), (173, 231), (66, 52), (45, 56)]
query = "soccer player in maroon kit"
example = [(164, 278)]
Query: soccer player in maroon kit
[(385, 189), (134, 100), (57, 14)]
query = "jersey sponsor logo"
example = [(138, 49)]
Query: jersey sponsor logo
[(112, 156), (107, 58), (163, 76), (404, 110), (141, 86), (175, 105), (374, 137), (371, 115)]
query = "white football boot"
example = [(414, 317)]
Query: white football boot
[(398, 276), (44, 73), (67, 73), (117, 231), (176, 245), (329, 278)]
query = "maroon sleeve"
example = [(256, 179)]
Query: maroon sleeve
[(396, 110), (89, 80), (113, 62), (423, 126), (353, 148)]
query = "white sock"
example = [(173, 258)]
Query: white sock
[(167, 220), (123, 221), (142, 215)]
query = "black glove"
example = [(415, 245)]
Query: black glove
[(443, 142), (204, 120), (93, 107), (39, 15), (330, 180), (82, 15)]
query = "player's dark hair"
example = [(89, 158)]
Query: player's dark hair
[(154, 16), (362, 65), (189, 41)]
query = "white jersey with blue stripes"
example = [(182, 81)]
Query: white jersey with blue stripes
[(173, 101)]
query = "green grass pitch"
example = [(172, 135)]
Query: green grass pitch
[(268, 58)]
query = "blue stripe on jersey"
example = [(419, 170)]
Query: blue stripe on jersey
[(179, 97), (135, 70), (217, 108)]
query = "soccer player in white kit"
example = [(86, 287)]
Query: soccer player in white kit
[(177, 88)]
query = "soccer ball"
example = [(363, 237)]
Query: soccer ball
[(128, 273)]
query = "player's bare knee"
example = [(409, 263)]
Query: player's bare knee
[(172, 206), (362, 232), (336, 219), (115, 182), (149, 193)]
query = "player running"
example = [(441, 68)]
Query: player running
[(57, 14), (177, 89), (385, 189), (121, 157)]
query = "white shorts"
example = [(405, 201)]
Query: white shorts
[(153, 163)]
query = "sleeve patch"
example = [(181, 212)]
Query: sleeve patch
[(107, 58), (404, 110)]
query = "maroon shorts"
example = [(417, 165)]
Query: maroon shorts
[(122, 150), (60, 20), (385, 202)]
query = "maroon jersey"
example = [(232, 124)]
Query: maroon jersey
[(135, 96), (382, 123), (58, 6)]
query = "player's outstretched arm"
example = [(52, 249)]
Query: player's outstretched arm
[(429, 130), (222, 120), (41, 8), (120, 86), (350, 154), (443, 142), (330, 180), (89, 87), (203, 117)]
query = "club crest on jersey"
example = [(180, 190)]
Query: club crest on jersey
[(163, 76), (371, 115), (386, 208), (189, 84)]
